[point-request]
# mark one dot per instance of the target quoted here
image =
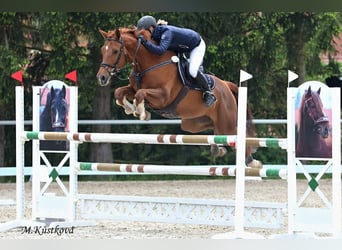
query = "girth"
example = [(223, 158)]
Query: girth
[(170, 110)]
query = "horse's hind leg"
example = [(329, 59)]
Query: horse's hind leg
[(250, 161), (201, 124), (198, 125)]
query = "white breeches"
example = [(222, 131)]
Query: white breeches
[(196, 58)]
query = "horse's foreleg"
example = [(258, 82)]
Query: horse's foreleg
[(122, 95), (129, 107), (140, 111), (153, 96)]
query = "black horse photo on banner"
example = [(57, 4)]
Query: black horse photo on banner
[(54, 107), (313, 121)]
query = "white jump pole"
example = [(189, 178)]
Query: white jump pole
[(239, 220), (20, 188), (240, 158), (291, 174), (336, 171)]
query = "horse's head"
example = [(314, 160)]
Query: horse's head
[(313, 107), (58, 108), (113, 56)]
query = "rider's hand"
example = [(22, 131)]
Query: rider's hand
[(142, 39)]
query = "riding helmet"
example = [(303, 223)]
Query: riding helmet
[(146, 21)]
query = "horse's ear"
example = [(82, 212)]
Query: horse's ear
[(52, 92), (63, 92), (319, 91), (103, 33), (117, 33), (308, 92)]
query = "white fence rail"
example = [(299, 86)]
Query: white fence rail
[(138, 122)]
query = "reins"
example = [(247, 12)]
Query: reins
[(139, 75)]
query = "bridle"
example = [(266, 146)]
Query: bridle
[(319, 120), (114, 67)]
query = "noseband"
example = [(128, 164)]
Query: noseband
[(114, 66), (319, 120)]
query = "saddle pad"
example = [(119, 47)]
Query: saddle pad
[(187, 80)]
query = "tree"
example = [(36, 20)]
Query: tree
[(14, 33), (307, 35)]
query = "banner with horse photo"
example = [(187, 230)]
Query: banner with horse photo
[(313, 117), (54, 112)]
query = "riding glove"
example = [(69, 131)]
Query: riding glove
[(142, 39)]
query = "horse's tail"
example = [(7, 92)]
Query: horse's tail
[(250, 126), (235, 90)]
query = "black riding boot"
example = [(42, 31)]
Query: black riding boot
[(208, 95)]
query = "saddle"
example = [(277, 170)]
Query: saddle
[(183, 69)]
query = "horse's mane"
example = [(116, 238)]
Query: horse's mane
[(316, 98), (301, 108), (131, 31), (123, 30)]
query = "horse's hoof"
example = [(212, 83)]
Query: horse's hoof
[(135, 114), (148, 116), (117, 102), (255, 164), (214, 150), (128, 112), (222, 152), (142, 117), (217, 151)]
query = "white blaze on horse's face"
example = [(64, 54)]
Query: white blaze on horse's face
[(56, 118), (104, 77), (58, 122)]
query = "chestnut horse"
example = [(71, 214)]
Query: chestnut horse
[(314, 127), (156, 81)]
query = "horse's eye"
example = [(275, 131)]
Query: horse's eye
[(115, 52)]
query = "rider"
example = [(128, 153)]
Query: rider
[(178, 40)]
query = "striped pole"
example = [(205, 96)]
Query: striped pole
[(228, 140), (218, 170)]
